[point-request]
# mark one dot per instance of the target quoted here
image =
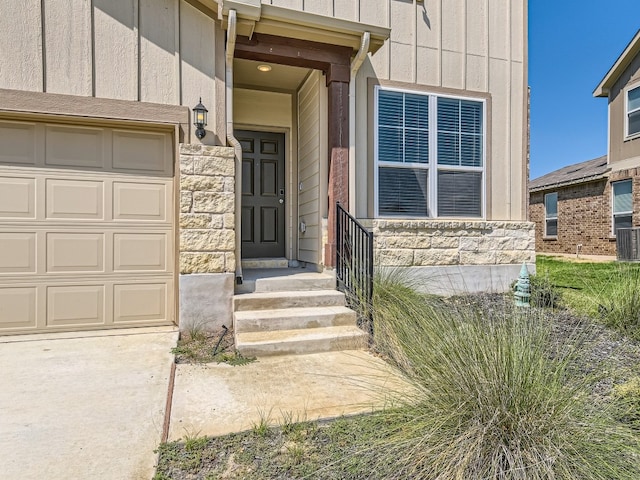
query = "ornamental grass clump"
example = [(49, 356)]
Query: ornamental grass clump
[(620, 304), (494, 397)]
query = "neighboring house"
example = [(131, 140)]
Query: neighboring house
[(115, 213), (571, 209), (579, 208)]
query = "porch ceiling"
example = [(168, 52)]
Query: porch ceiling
[(280, 78)]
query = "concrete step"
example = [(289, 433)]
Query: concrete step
[(249, 263), (290, 342), (293, 318), (289, 299)]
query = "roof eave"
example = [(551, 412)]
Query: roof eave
[(302, 25), (620, 65), (568, 183)]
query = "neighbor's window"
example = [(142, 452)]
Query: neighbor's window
[(429, 155), (551, 215), (622, 205), (633, 111)]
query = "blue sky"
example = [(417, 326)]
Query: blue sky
[(572, 45)]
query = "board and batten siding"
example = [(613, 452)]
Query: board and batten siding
[(309, 161), (159, 51), (624, 152), (467, 45)]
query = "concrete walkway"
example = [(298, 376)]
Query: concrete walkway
[(91, 405), (87, 405), (219, 399)]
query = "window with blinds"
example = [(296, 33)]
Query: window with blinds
[(551, 214), (622, 205), (429, 155), (633, 111)]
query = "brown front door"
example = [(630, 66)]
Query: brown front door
[(263, 194)]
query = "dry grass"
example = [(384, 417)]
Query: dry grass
[(200, 346)]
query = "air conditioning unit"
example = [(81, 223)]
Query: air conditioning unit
[(628, 244)]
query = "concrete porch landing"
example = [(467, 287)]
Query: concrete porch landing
[(275, 279), (220, 399)]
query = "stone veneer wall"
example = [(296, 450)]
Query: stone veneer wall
[(207, 220), (416, 243)]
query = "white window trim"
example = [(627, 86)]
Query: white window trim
[(546, 217), (613, 214), (433, 153), (627, 135)]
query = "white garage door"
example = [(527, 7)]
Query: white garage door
[(86, 227)]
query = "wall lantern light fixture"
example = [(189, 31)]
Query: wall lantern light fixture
[(200, 119)]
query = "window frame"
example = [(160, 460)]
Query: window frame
[(613, 212), (432, 166), (547, 217), (627, 112)]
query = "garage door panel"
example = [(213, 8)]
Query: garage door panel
[(18, 141), (146, 152), (138, 251), (75, 252), (86, 227), (75, 304), (79, 199), (18, 252), (75, 147), (140, 302), (17, 197), (139, 201), (18, 307)]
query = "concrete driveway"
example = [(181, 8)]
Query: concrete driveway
[(83, 405)]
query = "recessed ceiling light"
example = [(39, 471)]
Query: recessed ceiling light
[(264, 68)]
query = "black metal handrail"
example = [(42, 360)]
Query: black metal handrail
[(354, 265)]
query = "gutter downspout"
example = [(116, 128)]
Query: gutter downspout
[(355, 66), (232, 140)]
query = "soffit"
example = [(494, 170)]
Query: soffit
[(280, 78), (284, 22), (319, 28), (618, 68)]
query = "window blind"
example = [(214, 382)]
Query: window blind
[(551, 214), (403, 192), (459, 194), (633, 109), (622, 197), (460, 132), (409, 126), (390, 126), (551, 205)]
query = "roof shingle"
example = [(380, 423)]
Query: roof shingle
[(576, 173)]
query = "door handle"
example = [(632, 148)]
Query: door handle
[(281, 200)]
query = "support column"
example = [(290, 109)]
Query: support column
[(338, 134)]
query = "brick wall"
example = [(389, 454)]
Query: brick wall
[(207, 205), (634, 174), (584, 217), (412, 243)]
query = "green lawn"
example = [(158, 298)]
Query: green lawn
[(586, 287), (501, 393)]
